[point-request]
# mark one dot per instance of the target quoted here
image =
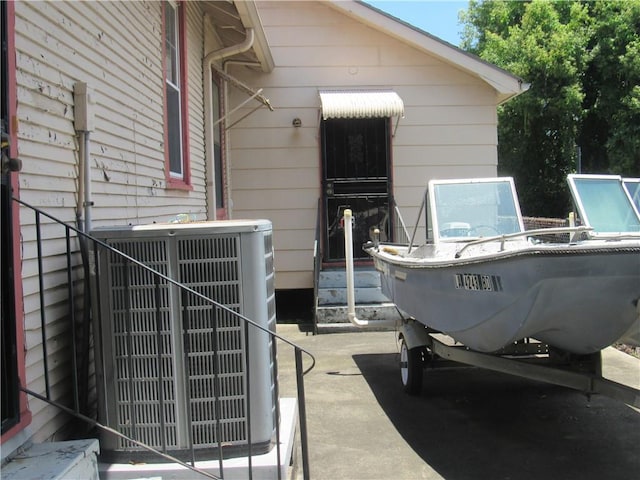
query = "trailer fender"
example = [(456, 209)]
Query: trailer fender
[(414, 333)]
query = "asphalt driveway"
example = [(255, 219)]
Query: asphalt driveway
[(468, 423)]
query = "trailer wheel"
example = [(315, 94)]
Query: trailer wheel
[(411, 366)]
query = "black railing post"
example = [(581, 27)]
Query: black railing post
[(276, 399), (129, 328), (302, 414), (247, 367), (43, 319), (160, 347), (187, 369), (216, 388), (98, 332), (72, 316)]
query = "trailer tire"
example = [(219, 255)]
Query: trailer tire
[(411, 368)]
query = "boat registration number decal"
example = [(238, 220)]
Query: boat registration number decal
[(478, 282)]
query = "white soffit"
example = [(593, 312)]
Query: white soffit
[(360, 104)]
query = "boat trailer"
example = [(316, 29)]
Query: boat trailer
[(424, 349)]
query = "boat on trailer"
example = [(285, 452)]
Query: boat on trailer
[(492, 286)]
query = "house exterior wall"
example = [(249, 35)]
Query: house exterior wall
[(116, 48), (449, 129), (274, 169)]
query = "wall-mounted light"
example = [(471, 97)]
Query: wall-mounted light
[(296, 122)]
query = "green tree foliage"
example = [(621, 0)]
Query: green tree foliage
[(582, 60), (610, 136)]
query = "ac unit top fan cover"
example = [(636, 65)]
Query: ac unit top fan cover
[(190, 228)]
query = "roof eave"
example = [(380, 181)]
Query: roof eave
[(505, 84), (251, 19)]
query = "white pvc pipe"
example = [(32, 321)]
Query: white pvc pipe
[(351, 297), (348, 251)]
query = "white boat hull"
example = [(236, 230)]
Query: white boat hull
[(579, 298)]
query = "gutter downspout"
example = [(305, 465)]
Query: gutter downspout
[(227, 52), (351, 302), (211, 57)]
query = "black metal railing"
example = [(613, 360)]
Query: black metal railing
[(71, 263), (398, 233)]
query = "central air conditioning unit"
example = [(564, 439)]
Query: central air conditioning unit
[(160, 379)]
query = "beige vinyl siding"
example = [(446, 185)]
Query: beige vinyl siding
[(116, 47), (449, 127), (47, 420), (47, 147)]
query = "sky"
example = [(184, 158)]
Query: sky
[(437, 17)]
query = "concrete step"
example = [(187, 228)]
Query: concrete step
[(334, 319), (371, 303), (332, 287), (55, 461), (276, 463), (338, 296), (322, 328), (364, 277)]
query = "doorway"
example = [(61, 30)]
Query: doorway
[(355, 175)]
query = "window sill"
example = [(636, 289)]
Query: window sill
[(178, 185)]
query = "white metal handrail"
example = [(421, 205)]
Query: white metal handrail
[(526, 233)]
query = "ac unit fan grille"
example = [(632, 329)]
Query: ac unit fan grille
[(143, 382), (211, 267), (215, 274)]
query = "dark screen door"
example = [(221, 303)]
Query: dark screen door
[(355, 175)]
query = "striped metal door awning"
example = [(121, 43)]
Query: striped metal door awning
[(360, 104)]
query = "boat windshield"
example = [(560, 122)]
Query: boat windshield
[(633, 187), (473, 208), (604, 203)]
